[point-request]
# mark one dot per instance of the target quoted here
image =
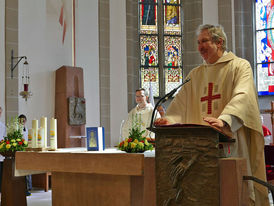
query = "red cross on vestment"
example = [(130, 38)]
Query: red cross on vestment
[(210, 98)]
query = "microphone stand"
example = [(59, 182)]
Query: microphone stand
[(163, 99)]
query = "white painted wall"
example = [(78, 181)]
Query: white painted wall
[(40, 39), (118, 68), (2, 59), (210, 12), (87, 57)]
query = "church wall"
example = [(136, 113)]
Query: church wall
[(118, 68), (104, 65), (40, 39), (133, 51), (2, 59), (193, 17), (210, 11), (87, 57), (11, 42)]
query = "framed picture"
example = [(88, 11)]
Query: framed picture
[(95, 138)]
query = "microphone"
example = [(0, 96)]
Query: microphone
[(164, 99)]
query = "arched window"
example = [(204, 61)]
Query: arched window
[(160, 37), (264, 15)]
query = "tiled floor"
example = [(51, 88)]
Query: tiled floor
[(41, 198)]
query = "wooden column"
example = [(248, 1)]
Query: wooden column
[(13, 188), (69, 83)]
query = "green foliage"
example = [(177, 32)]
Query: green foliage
[(135, 143), (14, 140)]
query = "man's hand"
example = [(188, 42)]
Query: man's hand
[(215, 122), (161, 121)]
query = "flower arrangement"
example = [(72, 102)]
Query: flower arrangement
[(135, 142), (14, 140)]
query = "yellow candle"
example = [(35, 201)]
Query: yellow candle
[(35, 133), (43, 121), (53, 134)]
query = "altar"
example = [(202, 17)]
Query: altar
[(104, 178)]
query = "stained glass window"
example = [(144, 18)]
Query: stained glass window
[(149, 50), (148, 16), (265, 46), (160, 68)]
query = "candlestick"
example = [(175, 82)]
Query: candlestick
[(43, 121)]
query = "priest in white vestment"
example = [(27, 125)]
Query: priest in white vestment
[(141, 114), (2, 127), (221, 92)]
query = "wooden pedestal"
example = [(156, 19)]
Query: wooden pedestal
[(13, 188), (69, 83)]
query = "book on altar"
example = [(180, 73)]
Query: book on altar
[(95, 138)]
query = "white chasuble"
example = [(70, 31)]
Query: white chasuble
[(143, 117), (226, 88)]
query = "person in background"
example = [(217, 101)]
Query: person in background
[(2, 127), (267, 133), (141, 113), (2, 135), (23, 120), (222, 93)]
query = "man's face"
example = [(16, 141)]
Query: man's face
[(140, 97), (209, 50), (22, 121)]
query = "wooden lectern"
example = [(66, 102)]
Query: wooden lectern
[(187, 165)]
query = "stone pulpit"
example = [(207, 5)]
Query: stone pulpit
[(70, 107), (187, 165)]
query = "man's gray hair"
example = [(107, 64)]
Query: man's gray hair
[(216, 33)]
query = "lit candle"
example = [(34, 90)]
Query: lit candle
[(35, 133), (53, 134), (43, 121)]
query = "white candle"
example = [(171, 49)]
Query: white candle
[(30, 137), (53, 134), (43, 121), (35, 133), (40, 137)]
